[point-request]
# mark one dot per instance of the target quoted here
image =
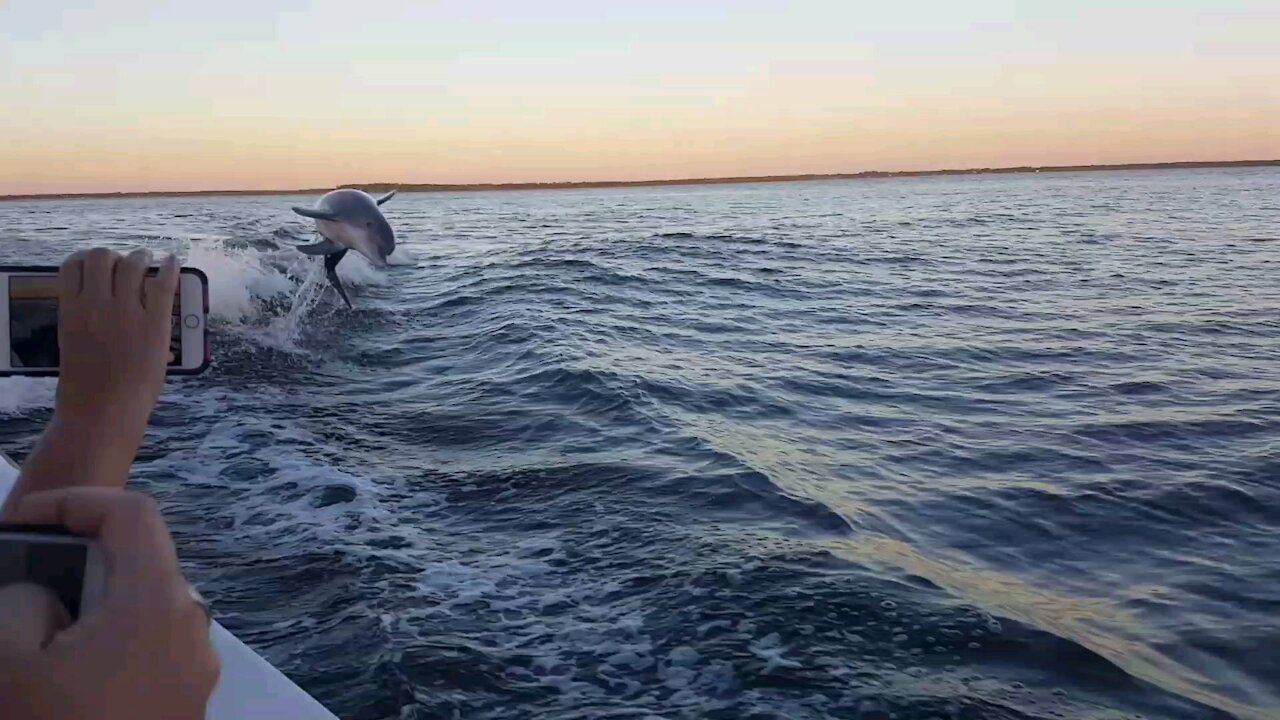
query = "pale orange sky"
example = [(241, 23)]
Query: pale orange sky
[(238, 95)]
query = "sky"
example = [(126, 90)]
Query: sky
[(126, 95)]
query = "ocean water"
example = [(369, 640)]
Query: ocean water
[(956, 447)]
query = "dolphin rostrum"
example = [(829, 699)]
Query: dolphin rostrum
[(349, 219)]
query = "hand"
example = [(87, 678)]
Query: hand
[(113, 336), (142, 653), (113, 339)]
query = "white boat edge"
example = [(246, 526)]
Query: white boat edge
[(249, 686)]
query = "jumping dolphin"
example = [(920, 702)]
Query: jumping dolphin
[(349, 220)]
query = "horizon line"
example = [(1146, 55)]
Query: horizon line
[(590, 184)]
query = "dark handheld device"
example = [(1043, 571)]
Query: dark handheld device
[(54, 558)]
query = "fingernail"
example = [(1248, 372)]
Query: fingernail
[(171, 261)]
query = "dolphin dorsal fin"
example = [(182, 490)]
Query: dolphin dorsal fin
[(315, 213), (388, 196)]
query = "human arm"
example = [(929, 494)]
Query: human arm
[(113, 337)]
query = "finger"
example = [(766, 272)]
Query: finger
[(30, 615), (99, 270), (131, 534), (71, 276), (165, 286), (129, 274)]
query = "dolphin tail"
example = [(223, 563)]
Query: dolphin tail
[(331, 269), (388, 196)]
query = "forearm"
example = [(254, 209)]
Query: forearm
[(79, 452)]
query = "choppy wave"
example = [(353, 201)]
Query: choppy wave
[(956, 447)]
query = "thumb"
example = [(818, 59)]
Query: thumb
[(30, 615)]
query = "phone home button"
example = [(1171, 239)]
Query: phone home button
[(191, 321)]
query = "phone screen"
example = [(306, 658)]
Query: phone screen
[(33, 323), (57, 565)]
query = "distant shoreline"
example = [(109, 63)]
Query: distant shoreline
[(483, 187)]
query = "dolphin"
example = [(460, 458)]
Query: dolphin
[(349, 219)]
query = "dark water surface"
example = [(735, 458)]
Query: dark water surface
[(962, 447)]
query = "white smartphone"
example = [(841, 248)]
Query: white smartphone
[(29, 322), (48, 555)]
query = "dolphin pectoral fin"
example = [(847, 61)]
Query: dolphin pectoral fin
[(331, 269), (315, 213), (324, 247), (388, 196)]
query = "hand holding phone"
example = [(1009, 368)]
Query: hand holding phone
[(115, 328), (37, 302)]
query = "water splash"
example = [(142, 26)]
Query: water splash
[(267, 295), (283, 331), (242, 281), (252, 288), (19, 395)]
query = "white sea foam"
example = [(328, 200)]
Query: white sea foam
[(289, 462), (19, 395), (268, 296), (238, 277)]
